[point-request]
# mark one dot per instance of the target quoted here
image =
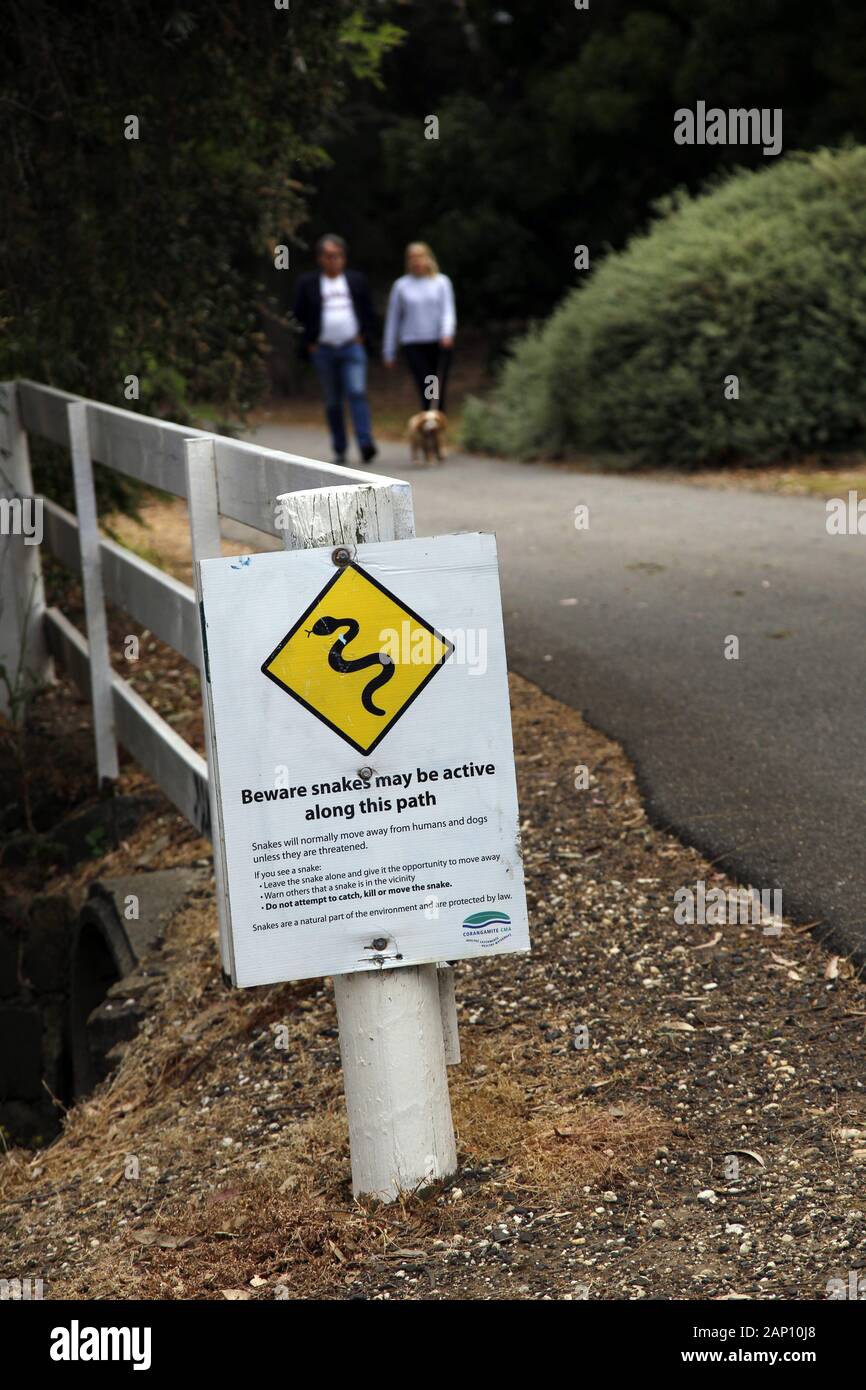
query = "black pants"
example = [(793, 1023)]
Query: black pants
[(426, 360)]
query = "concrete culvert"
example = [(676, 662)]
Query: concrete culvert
[(101, 954), (114, 964)]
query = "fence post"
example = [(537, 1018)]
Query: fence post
[(204, 528), (23, 652), (101, 674), (390, 1020)]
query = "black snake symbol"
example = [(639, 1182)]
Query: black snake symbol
[(337, 662)]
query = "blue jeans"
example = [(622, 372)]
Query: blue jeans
[(343, 375)]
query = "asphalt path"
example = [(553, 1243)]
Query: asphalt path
[(760, 762)]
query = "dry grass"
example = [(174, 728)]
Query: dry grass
[(549, 1145), (808, 478), (161, 536), (244, 1200)]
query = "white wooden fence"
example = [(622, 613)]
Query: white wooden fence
[(397, 1026), (249, 480)]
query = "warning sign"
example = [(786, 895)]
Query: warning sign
[(362, 760), (357, 658)]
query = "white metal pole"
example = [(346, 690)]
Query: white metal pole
[(391, 1037), (101, 696), (23, 651), (401, 1133)]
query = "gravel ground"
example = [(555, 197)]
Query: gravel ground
[(644, 1110)]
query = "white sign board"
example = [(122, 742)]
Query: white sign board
[(367, 807)]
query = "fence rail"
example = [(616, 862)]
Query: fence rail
[(149, 595), (176, 767), (249, 480)]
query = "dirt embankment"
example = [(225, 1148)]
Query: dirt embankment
[(643, 1109)]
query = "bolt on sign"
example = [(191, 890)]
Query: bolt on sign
[(364, 770)]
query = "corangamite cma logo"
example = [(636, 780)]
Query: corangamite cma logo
[(76, 1343), (487, 928)]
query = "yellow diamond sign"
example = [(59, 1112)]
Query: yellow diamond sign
[(357, 658)]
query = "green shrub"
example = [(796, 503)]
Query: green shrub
[(762, 277)]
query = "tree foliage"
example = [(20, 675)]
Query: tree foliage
[(762, 279), (556, 128), (148, 256)]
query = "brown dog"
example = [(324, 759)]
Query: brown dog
[(427, 435)]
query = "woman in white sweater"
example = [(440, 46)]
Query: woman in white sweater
[(421, 322)]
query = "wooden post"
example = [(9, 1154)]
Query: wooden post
[(448, 1010), (101, 695), (391, 1036), (23, 651), (204, 529)]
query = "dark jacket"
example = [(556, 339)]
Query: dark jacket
[(307, 308)]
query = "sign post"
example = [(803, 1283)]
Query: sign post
[(391, 1042), (363, 773)]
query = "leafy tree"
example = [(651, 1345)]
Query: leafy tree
[(735, 329), (556, 128), (147, 256)]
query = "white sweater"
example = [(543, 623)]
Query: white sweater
[(420, 310)]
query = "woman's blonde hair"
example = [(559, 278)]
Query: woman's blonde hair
[(426, 251)]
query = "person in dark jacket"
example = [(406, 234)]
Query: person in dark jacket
[(335, 311)]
